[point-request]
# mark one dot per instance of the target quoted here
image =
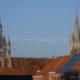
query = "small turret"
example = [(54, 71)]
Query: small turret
[(8, 53), (8, 43)]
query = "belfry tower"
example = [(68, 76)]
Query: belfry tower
[(5, 50), (74, 41)]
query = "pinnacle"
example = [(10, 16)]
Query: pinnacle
[(8, 39), (76, 18)]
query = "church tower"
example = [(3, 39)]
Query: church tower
[(5, 51), (74, 41)]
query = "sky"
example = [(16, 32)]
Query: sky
[(38, 28)]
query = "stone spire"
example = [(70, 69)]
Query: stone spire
[(8, 40), (76, 28), (8, 53), (0, 23)]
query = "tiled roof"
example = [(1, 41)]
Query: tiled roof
[(25, 66), (66, 58), (76, 67), (51, 65), (78, 52)]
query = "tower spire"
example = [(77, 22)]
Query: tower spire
[(8, 40), (0, 23), (76, 18), (76, 27)]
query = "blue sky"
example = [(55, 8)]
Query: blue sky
[(38, 28)]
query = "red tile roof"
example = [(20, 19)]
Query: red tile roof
[(76, 67), (25, 66), (78, 52), (51, 65), (64, 60)]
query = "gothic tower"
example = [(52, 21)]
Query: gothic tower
[(5, 50), (74, 41)]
